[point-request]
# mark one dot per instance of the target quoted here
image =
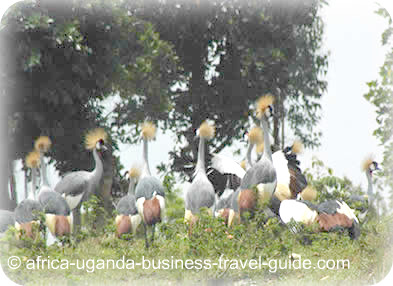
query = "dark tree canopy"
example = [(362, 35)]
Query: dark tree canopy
[(232, 52), (176, 63), (62, 60)]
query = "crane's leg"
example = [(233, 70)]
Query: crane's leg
[(145, 231), (153, 227)]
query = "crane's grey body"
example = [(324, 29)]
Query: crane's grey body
[(7, 219), (200, 194), (53, 203), (328, 207), (25, 211), (127, 206), (78, 186), (262, 172), (147, 186), (201, 191)]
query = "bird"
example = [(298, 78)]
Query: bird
[(329, 215), (128, 217), (291, 182), (7, 219), (26, 213), (57, 211), (369, 166), (149, 192), (77, 186), (200, 192), (262, 174)]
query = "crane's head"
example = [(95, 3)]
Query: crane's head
[(369, 165), (296, 148), (134, 173), (95, 139), (33, 159), (148, 130), (264, 106), (42, 144), (206, 130)]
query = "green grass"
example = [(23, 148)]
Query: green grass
[(370, 257)]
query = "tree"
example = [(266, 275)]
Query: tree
[(60, 60), (232, 52), (380, 94)]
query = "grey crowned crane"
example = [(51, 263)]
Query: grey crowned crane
[(369, 166), (262, 174), (201, 191), (56, 209), (291, 183), (128, 218), (77, 186), (26, 215), (149, 192), (330, 215)]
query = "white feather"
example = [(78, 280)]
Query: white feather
[(346, 210), (161, 200), (299, 212), (281, 165), (73, 201), (226, 165), (266, 188), (135, 221), (139, 206)]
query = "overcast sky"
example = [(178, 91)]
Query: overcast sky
[(353, 37)]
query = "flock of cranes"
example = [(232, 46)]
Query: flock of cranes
[(274, 184)]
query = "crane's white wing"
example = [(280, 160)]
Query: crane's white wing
[(226, 165)]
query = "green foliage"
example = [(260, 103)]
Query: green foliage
[(369, 257), (327, 185), (65, 59), (380, 94), (231, 53)]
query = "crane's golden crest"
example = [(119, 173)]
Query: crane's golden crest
[(255, 136), (206, 130), (33, 159), (309, 193), (367, 162), (259, 148), (42, 144), (297, 147), (263, 103), (93, 136), (134, 172), (148, 130)]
